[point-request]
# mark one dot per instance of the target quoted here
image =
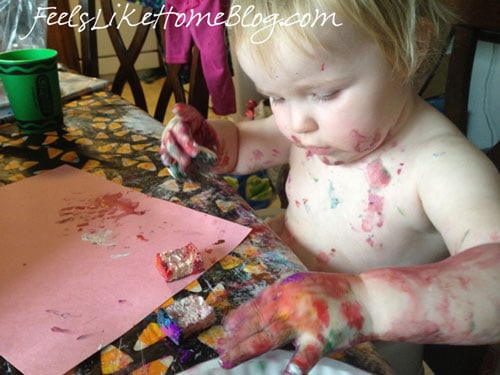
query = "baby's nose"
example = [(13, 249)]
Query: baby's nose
[(302, 123)]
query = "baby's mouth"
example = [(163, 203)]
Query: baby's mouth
[(318, 150)]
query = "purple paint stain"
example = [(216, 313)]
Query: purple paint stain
[(293, 278), (185, 354)]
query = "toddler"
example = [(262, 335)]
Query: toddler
[(393, 211)]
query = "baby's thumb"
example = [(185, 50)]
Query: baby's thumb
[(304, 359)]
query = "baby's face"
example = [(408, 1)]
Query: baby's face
[(341, 104)]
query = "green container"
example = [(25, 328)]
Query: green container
[(31, 82)]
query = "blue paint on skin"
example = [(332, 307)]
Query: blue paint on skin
[(334, 201)]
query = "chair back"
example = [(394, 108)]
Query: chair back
[(63, 39), (478, 21)]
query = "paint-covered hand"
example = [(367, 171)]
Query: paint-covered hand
[(184, 137), (318, 312)]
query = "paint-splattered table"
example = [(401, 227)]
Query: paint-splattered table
[(109, 137)]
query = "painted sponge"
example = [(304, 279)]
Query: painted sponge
[(192, 314), (177, 263)]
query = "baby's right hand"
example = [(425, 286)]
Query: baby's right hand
[(182, 138)]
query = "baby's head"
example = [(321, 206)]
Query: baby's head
[(410, 33)]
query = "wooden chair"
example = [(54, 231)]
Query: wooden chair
[(63, 39), (478, 21)]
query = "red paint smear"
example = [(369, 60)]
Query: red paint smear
[(363, 142), (105, 207), (351, 311), (142, 238), (377, 174), (321, 308), (322, 67)]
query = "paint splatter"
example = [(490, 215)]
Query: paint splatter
[(99, 238), (400, 169), (60, 330), (334, 201), (142, 238)]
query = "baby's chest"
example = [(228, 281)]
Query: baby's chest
[(360, 203)]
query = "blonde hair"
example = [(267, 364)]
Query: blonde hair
[(409, 32)]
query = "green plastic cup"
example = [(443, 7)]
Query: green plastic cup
[(31, 82)]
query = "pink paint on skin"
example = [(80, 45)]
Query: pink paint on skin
[(258, 154), (275, 153), (322, 68), (365, 143), (373, 216), (378, 176), (400, 169), (322, 258)]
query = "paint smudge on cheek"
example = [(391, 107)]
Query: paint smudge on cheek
[(363, 143)]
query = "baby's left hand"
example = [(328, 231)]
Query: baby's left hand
[(318, 312)]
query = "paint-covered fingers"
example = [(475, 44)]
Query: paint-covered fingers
[(306, 355), (202, 133), (177, 147)]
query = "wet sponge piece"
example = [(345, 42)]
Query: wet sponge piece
[(178, 263), (192, 314)]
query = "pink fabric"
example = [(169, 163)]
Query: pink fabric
[(209, 38)]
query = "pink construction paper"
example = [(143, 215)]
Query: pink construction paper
[(77, 266)]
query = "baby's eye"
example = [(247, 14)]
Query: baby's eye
[(325, 97), (276, 100)]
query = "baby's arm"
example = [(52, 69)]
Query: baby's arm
[(455, 301), (260, 145)]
